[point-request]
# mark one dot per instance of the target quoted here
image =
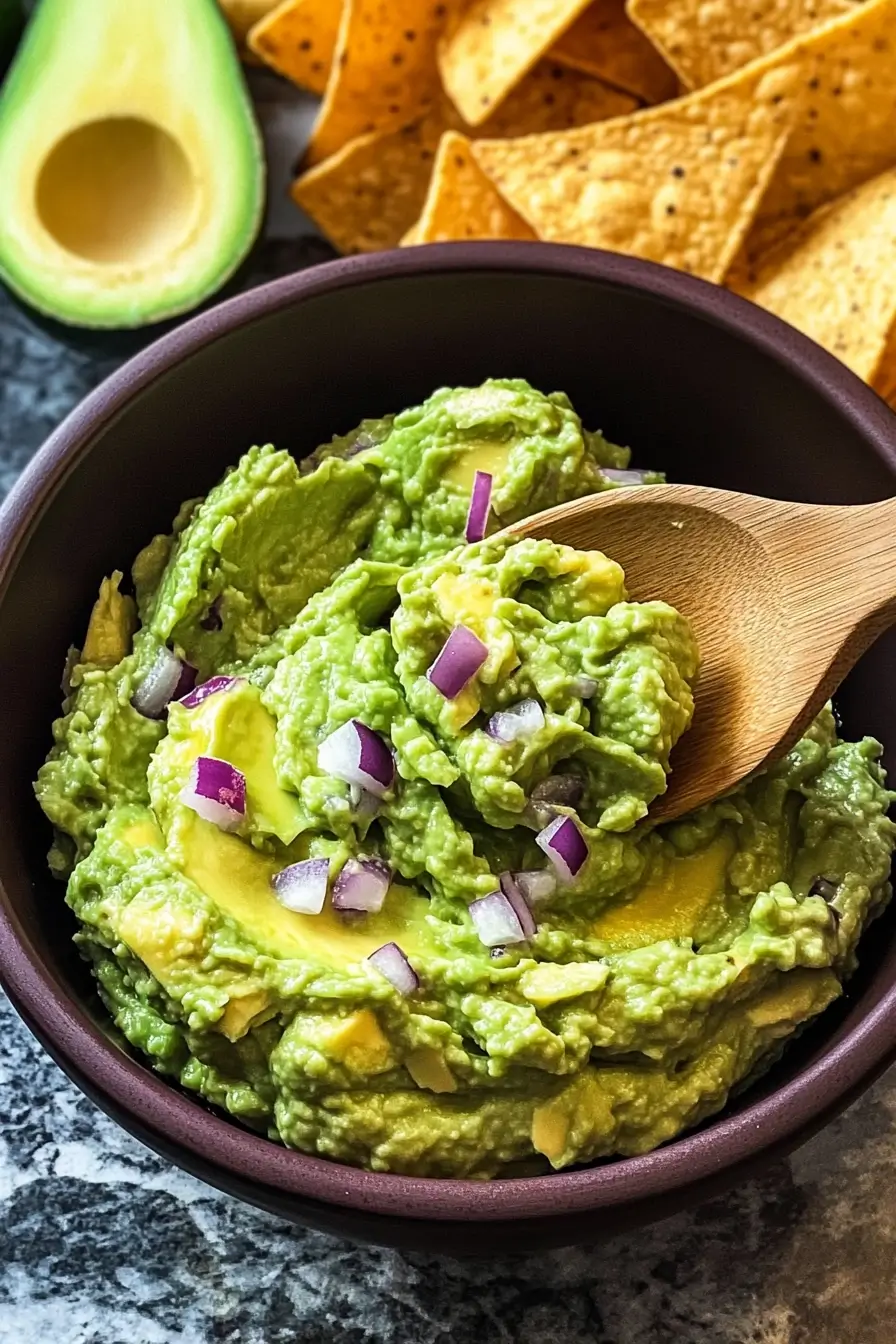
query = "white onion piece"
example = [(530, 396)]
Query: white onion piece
[(626, 475), (536, 885), (302, 887), (392, 963), (216, 791), (210, 687), (362, 885), (564, 845), (516, 898), (357, 755), (463, 653), (160, 685), (495, 920), (522, 720), (480, 503), (585, 687)]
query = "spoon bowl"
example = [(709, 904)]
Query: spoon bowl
[(782, 598)]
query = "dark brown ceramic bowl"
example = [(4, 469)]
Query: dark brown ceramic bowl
[(701, 383)]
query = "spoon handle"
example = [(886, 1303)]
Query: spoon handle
[(838, 563)]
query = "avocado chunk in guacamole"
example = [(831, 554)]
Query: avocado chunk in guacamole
[(445, 753)]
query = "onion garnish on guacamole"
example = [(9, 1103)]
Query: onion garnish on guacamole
[(352, 800)]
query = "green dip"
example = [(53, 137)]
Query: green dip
[(668, 968)]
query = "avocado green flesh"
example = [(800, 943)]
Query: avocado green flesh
[(674, 966), (132, 188)]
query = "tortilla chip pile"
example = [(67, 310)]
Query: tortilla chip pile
[(749, 142)]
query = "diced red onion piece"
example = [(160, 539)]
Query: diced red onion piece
[(210, 687), (584, 687), (516, 898), (626, 475), (522, 720), (564, 845), (495, 920), (480, 503), (302, 887), (358, 755), (216, 791), (392, 963), (463, 653), (536, 885), (362, 885), (159, 686)]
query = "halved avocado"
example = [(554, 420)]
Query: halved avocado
[(132, 167)]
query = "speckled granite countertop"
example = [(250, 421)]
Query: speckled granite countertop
[(102, 1242)]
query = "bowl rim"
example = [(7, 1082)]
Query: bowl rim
[(185, 1123)]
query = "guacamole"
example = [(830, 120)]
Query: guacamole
[(353, 806)]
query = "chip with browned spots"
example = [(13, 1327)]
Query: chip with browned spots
[(679, 183), (491, 44), (705, 40), (462, 203), (298, 39), (835, 277)]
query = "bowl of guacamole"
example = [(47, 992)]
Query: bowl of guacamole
[(345, 804)]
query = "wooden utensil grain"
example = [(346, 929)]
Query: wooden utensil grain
[(783, 599)]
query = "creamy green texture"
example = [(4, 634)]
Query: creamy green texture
[(671, 968)]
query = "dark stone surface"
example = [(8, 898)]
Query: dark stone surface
[(102, 1242)]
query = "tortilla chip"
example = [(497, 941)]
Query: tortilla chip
[(462, 203), (677, 184), (384, 73), (491, 45), (604, 42), (365, 197), (242, 14), (846, 132), (298, 39), (551, 98), (835, 278), (704, 40)]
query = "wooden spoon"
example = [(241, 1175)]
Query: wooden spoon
[(783, 598)]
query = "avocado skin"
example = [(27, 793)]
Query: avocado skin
[(269, 259)]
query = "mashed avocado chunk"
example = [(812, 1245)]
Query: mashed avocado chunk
[(557, 979)]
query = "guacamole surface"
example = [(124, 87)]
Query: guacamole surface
[(529, 973)]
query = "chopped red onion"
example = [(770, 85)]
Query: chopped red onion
[(392, 963), (536, 885), (496, 921), (522, 720), (302, 887), (210, 687), (463, 653), (480, 503), (564, 845), (626, 476), (516, 898), (362, 885), (584, 687), (161, 684), (216, 791), (358, 755)]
